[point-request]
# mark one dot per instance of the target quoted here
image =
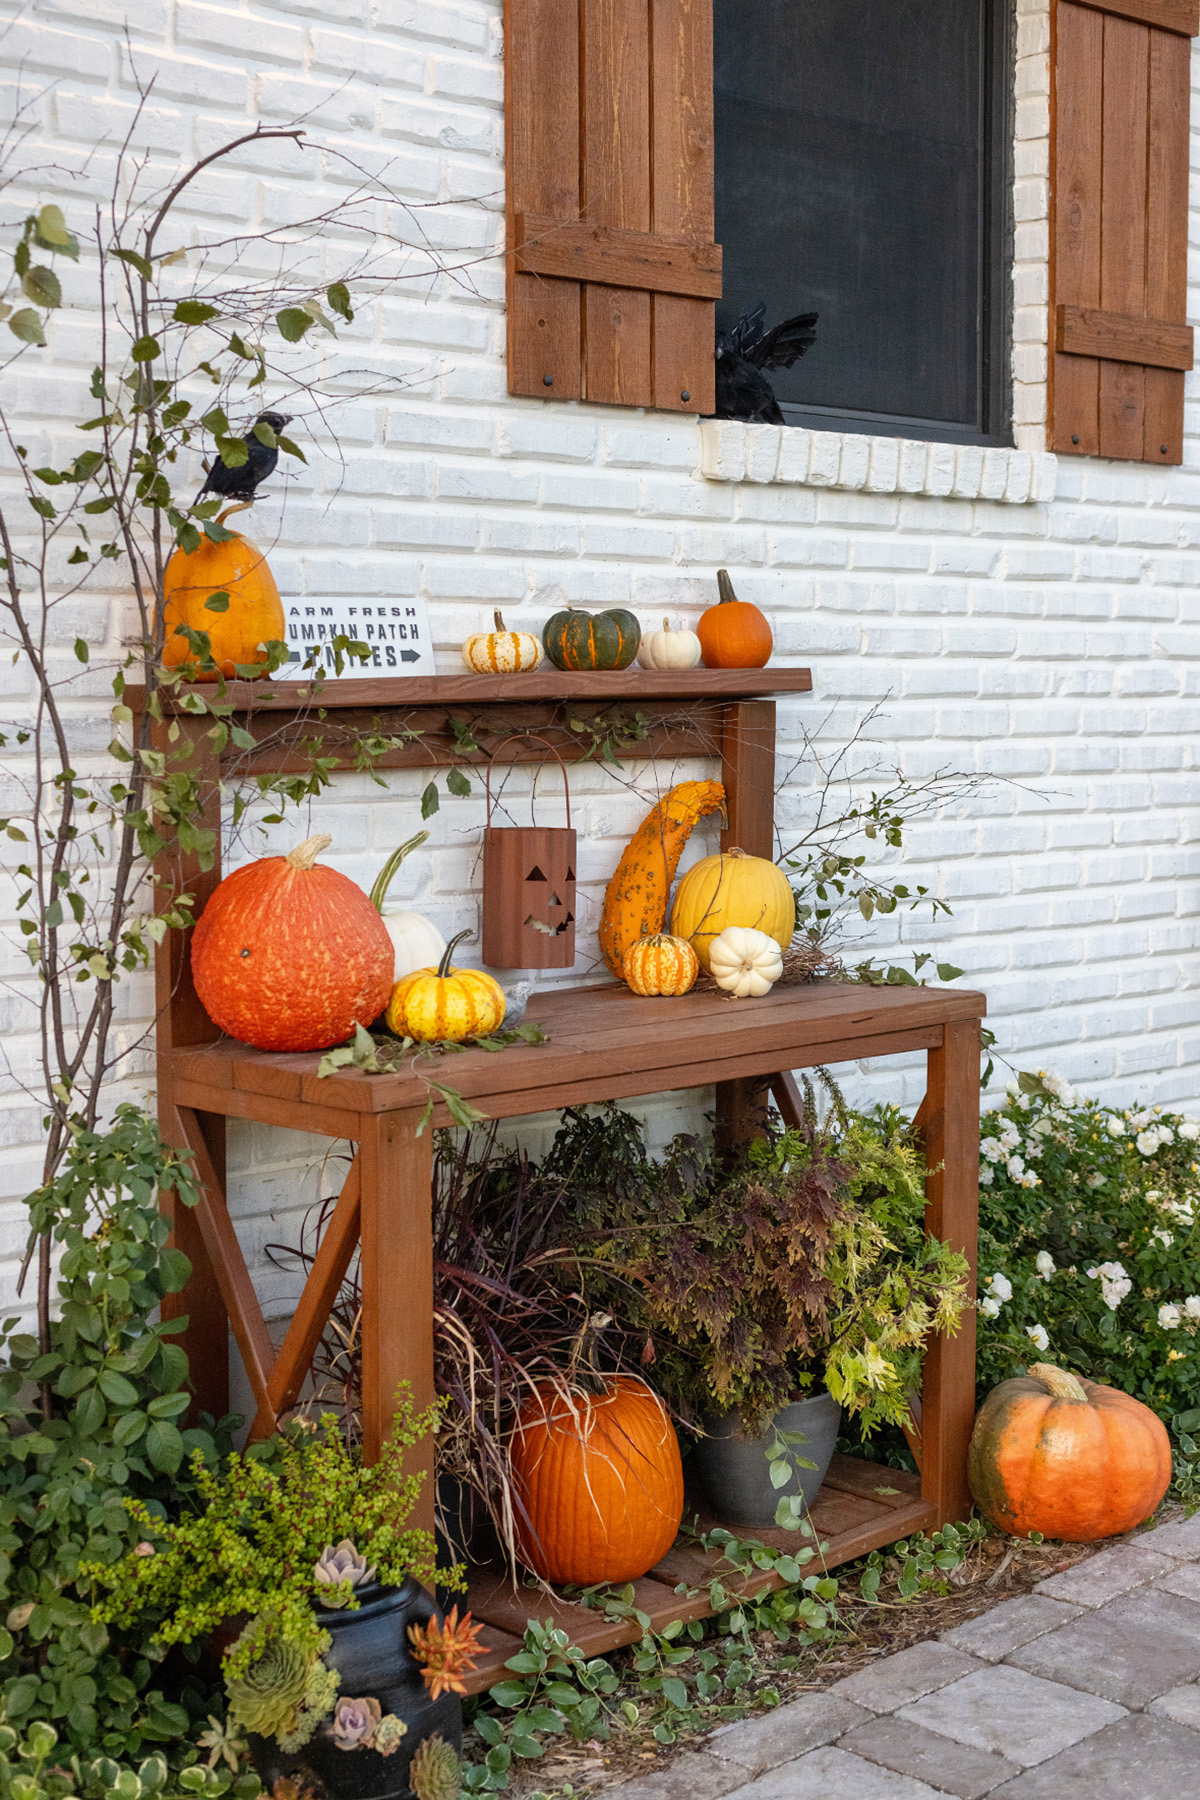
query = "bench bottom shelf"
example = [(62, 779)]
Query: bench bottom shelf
[(861, 1506)]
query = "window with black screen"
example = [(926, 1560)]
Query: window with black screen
[(862, 173)]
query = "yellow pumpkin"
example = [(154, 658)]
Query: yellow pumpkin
[(732, 889), (252, 616), (446, 1005), (660, 965), (501, 652)]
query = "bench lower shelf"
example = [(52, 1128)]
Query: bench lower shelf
[(861, 1506)]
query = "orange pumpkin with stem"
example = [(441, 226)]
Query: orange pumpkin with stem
[(228, 591), (290, 955), (661, 964), (1069, 1458), (601, 1481), (733, 634)]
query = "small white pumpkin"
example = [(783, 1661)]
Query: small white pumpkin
[(667, 649), (501, 652), (417, 942), (744, 962)]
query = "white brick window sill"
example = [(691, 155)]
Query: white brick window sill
[(733, 451)]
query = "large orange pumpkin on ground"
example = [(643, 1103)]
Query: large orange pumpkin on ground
[(1065, 1457), (288, 955), (253, 615), (601, 1481)]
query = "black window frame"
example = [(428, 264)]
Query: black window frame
[(994, 422)]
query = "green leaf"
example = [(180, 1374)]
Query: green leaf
[(429, 805), (675, 1691), (27, 326), (195, 312), (233, 451), (780, 1473), (457, 782), (948, 972), (81, 650), (509, 1693), (285, 443), (293, 322), (135, 262), (164, 1446), (527, 1747), (52, 227), (217, 603), (42, 287), (128, 1429), (262, 431), (116, 1389), (338, 297), (146, 349)]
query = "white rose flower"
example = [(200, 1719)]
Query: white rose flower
[(987, 1175), (1189, 1131), (1042, 1127), (992, 1149), (989, 1308), (1029, 1179), (1115, 1125), (1191, 1307), (1165, 1134), (1000, 1286), (1114, 1283), (1010, 1137), (1097, 1180), (1040, 1336), (1139, 1121), (1169, 1317), (1045, 1264), (1147, 1142), (1165, 1238), (1015, 1166), (1153, 1196)]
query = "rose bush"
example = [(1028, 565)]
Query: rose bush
[(1089, 1243)]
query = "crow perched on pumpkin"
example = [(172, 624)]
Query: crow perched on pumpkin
[(743, 391), (240, 483)]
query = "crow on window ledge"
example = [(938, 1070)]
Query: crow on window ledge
[(743, 391)]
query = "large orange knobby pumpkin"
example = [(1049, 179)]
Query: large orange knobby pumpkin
[(237, 629), (288, 955), (601, 1481), (1065, 1457)]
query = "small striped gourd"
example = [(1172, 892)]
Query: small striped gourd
[(446, 1005), (661, 964), (501, 652)]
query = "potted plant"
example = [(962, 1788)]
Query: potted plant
[(781, 1294), (298, 1570)]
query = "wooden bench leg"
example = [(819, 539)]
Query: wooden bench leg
[(397, 1282), (949, 1120)]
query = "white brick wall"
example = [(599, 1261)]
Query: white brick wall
[(1053, 643)]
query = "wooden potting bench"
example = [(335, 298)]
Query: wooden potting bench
[(604, 1043)]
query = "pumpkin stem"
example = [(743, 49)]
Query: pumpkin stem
[(734, 851), (724, 588), (498, 619), (1061, 1383), (666, 624), (243, 506), (443, 968), (306, 854), (386, 875)]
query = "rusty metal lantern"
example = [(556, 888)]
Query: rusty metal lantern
[(529, 887)]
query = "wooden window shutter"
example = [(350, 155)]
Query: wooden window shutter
[(612, 269), (1119, 226)]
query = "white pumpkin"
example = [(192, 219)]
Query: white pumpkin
[(744, 962), (417, 942), (667, 649), (501, 652)]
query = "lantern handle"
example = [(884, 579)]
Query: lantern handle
[(527, 737)]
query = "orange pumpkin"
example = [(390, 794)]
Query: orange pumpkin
[(1068, 1458), (661, 964), (252, 617), (600, 1479), (733, 634), (288, 955)]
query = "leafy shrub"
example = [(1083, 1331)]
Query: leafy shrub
[(1089, 1243), (33, 1767), (103, 1422)]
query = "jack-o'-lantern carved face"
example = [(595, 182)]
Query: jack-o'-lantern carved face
[(529, 897)]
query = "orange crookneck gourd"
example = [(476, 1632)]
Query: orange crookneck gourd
[(635, 900)]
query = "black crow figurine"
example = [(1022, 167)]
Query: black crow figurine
[(240, 483), (743, 391)]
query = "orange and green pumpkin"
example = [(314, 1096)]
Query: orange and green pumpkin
[(1069, 1458), (582, 640), (600, 1482), (290, 955), (238, 627)]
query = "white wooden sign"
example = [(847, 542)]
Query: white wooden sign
[(395, 631)]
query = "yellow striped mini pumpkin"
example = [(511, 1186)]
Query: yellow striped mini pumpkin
[(446, 1005), (501, 652), (661, 964)]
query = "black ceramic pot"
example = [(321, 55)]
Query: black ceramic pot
[(733, 1468), (372, 1654)]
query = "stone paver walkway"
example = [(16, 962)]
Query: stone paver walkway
[(1086, 1689)]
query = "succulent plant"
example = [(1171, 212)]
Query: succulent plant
[(224, 1743), (354, 1722), (388, 1733), (434, 1772), (337, 1564), (446, 1651), (268, 1697), (320, 1692)]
